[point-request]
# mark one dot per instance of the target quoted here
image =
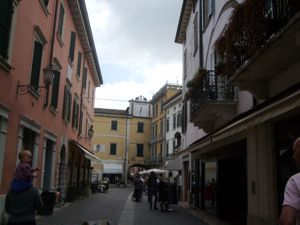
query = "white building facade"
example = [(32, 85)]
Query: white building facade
[(241, 106)]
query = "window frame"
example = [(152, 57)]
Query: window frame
[(114, 125), (113, 147), (140, 127), (140, 150)]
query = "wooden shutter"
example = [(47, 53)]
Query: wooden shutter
[(36, 65), (79, 63), (65, 103), (69, 105), (61, 20), (55, 90), (84, 78), (6, 10), (72, 46)]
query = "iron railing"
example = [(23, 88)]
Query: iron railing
[(214, 88), (276, 13)]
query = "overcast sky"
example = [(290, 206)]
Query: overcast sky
[(135, 47)]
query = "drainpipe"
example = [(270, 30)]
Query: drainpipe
[(51, 49), (200, 35), (126, 149), (53, 33)]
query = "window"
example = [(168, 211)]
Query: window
[(161, 106), (36, 64), (153, 111), (67, 104), (174, 121), (80, 122), (79, 64), (168, 124), (184, 64), (6, 11), (75, 113), (161, 127), (72, 46), (167, 148), (196, 34), (114, 125), (46, 2), (179, 119), (84, 77), (140, 127), (208, 11), (61, 21), (113, 148), (88, 94), (140, 150), (55, 90)]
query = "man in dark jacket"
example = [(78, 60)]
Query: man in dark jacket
[(21, 204), (152, 189)]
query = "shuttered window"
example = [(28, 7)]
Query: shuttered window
[(84, 78), (79, 64), (75, 113), (61, 20), (113, 149), (6, 10), (114, 125), (67, 104), (72, 46), (55, 90), (140, 150), (80, 122), (36, 65)]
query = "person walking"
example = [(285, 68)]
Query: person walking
[(152, 189), (163, 194), (290, 213)]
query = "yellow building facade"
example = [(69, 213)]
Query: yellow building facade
[(158, 122), (122, 139)]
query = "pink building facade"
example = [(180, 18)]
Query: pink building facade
[(53, 121)]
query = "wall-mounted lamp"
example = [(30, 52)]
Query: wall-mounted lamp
[(49, 73)]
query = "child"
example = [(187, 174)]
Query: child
[(24, 172)]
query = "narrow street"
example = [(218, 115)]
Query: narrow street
[(116, 206)]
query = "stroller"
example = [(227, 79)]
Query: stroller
[(137, 194)]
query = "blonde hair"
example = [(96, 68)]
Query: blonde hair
[(23, 153)]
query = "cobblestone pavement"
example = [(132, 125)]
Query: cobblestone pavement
[(116, 206)]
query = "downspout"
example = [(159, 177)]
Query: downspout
[(51, 49), (53, 33), (200, 35)]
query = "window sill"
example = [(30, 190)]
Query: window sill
[(60, 40), (53, 110), (5, 65)]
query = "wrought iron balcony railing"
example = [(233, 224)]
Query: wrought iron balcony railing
[(253, 24), (214, 88)]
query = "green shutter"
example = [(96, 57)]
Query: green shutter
[(65, 104), (55, 90), (73, 118), (6, 10), (84, 78), (36, 64), (69, 106), (72, 46), (61, 20), (79, 63)]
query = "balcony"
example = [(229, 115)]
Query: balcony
[(213, 103), (261, 46)]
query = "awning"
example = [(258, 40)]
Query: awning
[(87, 154), (174, 165), (109, 168)]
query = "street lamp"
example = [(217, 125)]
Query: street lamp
[(49, 73)]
